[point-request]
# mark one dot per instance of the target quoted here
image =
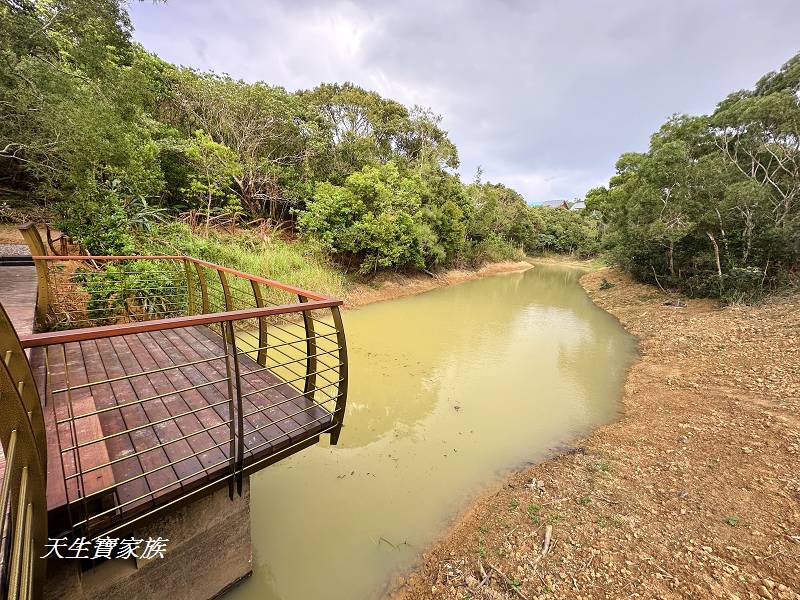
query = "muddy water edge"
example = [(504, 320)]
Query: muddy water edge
[(449, 390)]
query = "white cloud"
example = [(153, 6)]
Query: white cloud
[(544, 95)]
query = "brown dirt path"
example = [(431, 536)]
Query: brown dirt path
[(693, 493)]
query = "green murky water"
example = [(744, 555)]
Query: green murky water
[(448, 390)]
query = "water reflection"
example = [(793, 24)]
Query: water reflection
[(448, 389)]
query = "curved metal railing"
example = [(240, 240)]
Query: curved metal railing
[(23, 465), (144, 418)]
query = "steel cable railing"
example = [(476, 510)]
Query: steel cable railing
[(163, 377)]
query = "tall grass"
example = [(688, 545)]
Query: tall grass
[(298, 263)]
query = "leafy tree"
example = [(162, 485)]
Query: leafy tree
[(216, 168), (711, 207)]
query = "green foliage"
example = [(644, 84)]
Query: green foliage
[(712, 207), (118, 140), (210, 184), (378, 216), (299, 263), (141, 286), (96, 216), (564, 231)]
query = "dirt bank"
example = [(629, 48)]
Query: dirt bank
[(693, 493), (387, 286)]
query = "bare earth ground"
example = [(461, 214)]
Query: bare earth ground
[(9, 234), (387, 286), (693, 493)]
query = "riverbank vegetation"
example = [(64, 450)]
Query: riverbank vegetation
[(119, 148), (713, 207), (122, 147)]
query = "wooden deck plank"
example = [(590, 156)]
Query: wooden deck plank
[(18, 296), (156, 353), (281, 416)]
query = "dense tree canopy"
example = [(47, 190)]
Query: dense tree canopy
[(109, 134), (712, 206)]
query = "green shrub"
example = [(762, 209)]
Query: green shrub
[(96, 217)]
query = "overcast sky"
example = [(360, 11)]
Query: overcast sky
[(543, 95)]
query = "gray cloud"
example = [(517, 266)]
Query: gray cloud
[(544, 95)]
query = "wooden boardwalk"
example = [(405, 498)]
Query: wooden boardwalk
[(18, 296), (156, 421), (142, 410)]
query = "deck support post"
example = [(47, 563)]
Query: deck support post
[(341, 390)]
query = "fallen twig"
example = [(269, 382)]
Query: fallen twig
[(663, 572), (383, 539), (553, 501), (546, 546), (609, 500), (508, 582), (657, 281), (771, 555), (484, 574), (548, 532)]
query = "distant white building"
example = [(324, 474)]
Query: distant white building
[(579, 205)]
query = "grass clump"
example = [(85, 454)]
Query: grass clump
[(299, 263)]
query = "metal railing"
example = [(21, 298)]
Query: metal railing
[(164, 376), (23, 470)]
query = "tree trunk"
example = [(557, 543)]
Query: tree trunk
[(210, 198), (716, 253), (670, 255)]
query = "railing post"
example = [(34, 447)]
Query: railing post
[(232, 450), (22, 500), (311, 353), (18, 366), (201, 278), (37, 248), (239, 410), (189, 287), (262, 325), (231, 335), (341, 391), (226, 290)]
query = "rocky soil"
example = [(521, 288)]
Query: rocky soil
[(693, 493)]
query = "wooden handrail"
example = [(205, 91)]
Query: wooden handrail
[(270, 282), (106, 331)]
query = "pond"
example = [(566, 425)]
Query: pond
[(448, 391)]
